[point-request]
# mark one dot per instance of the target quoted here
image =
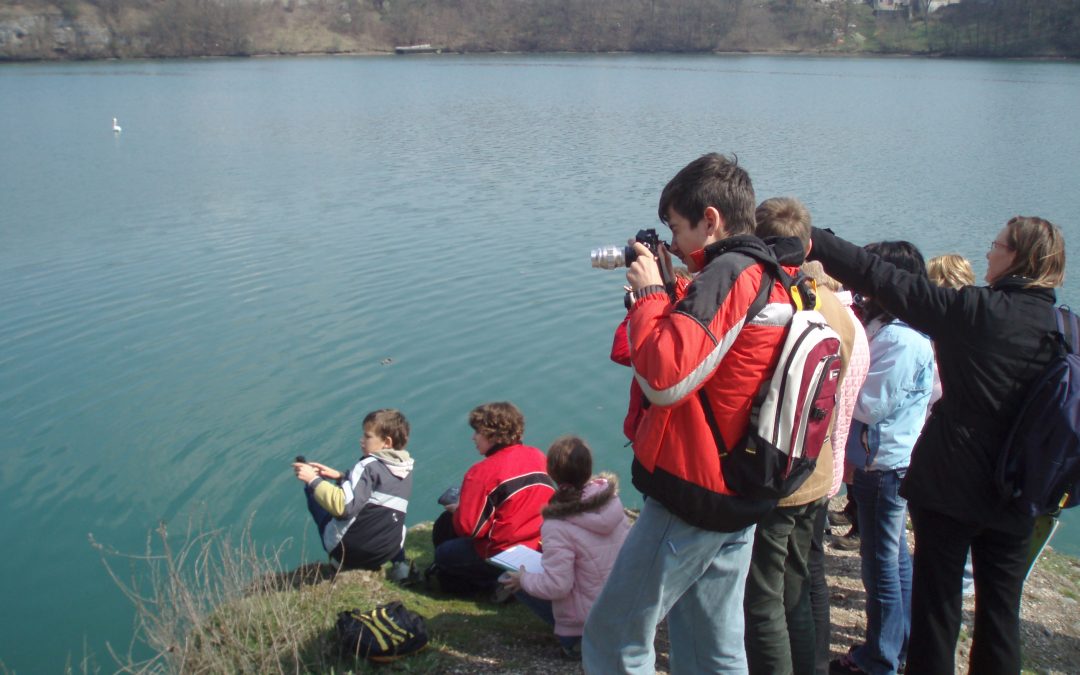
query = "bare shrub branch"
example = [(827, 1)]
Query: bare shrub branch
[(212, 603)]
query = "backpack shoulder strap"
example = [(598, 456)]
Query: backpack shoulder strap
[(801, 289), (1068, 325), (762, 297), (773, 272)]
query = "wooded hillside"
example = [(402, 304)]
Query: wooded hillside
[(66, 29)]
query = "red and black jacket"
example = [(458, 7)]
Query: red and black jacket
[(501, 499), (706, 342), (620, 354)]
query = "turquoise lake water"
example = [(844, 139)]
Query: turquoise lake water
[(273, 247)]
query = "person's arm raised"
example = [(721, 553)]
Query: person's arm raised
[(912, 298)]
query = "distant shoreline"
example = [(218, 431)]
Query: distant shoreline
[(450, 52), (77, 30)]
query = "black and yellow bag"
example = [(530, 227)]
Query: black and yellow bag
[(383, 634)]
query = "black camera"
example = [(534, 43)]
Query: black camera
[(611, 257)]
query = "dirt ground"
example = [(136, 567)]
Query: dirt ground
[(1050, 629)]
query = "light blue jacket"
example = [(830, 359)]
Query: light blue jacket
[(891, 407)]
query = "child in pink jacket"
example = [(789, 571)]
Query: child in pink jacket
[(584, 527)]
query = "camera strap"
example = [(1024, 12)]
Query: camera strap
[(669, 281)]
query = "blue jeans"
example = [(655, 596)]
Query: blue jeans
[(542, 608), (693, 576), (886, 570), (461, 570), (321, 516)]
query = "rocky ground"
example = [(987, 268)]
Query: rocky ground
[(1050, 631), (1051, 620)]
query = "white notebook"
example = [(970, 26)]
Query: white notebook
[(516, 557)]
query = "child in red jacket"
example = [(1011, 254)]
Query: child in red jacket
[(500, 502)]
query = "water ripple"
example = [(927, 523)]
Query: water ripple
[(274, 248)]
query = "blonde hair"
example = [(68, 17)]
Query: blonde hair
[(1039, 248), (951, 270), (816, 271)]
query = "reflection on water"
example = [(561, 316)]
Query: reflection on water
[(186, 306)]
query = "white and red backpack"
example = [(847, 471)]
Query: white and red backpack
[(791, 414)]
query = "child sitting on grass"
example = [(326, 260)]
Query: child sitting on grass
[(584, 528), (498, 506), (361, 514)]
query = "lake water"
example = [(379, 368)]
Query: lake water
[(274, 247)]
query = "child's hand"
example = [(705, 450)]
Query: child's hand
[(511, 581), (304, 472), (326, 472)]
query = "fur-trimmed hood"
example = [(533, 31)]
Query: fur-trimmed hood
[(599, 508), (582, 539)]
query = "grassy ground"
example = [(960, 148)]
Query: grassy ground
[(467, 635), (247, 616)]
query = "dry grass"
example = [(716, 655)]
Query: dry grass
[(213, 603)]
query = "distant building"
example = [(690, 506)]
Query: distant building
[(935, 5), (889, 5), (906, 5)]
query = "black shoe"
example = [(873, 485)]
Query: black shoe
[(431, 577), (846, 543), (845, 665), (839, 518)]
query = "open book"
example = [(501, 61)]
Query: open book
[(516, 557)]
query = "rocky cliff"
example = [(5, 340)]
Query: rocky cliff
[(50, 35)]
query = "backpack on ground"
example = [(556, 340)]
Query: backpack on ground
[(383, 634), (1039, 467), (791, 414)]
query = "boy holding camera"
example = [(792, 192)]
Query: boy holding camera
[(699, 361), (361, 514)]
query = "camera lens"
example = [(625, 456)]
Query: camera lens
[(608, 257)]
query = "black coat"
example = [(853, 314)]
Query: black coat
[(991, 343)]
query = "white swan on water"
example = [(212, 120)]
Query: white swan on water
[(116, 127)]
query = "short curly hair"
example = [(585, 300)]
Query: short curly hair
[(500, 422)]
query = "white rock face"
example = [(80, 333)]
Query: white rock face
[(13, 31), (45, 36)]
